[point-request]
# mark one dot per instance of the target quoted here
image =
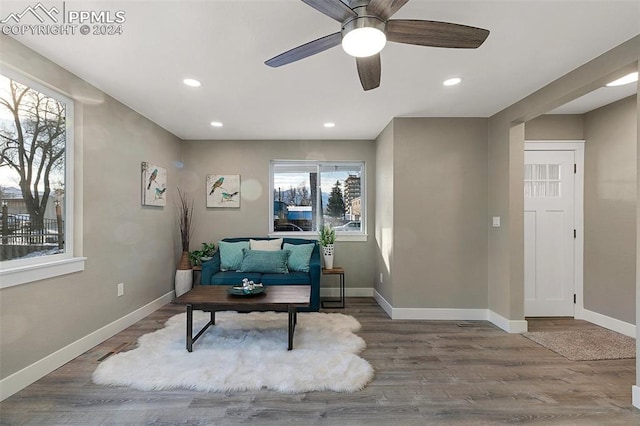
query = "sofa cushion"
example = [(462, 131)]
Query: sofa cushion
[(274, 262), (266, 245), (300, 256), (231, 254), (292, 278), (234, 278)]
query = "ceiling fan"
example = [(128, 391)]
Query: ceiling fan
[(366, 27)]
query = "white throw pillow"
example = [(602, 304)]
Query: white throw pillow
[(266, 245)]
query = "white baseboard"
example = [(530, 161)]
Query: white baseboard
[(386, 306), (510, 326), (23, 378), (348, 292), (451, 314), (635, 396), (610, 323)]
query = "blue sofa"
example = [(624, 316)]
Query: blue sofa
[(212, 275)]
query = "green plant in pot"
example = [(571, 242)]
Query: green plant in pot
[(326, 238), (206, 253)]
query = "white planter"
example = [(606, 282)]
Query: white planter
[(184, 281), (327, 254)]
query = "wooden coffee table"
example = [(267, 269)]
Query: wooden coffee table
[(213, 298)]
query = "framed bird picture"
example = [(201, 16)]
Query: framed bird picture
[(223, 191), (154, 185)]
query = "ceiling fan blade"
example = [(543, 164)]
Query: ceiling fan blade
[(332, 8), (435, 34), (305, 50), (369, 70), (385, 8)]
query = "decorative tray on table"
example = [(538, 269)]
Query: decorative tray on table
[(247, 290)]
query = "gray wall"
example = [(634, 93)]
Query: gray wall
[(555, 127), (610, 210), (440, 205), (384, 212), (638, 231), (431, 212), (250, 159), (123, 241)]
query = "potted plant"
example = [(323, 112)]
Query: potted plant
[(184, 275), (327, 238), (206, 253)]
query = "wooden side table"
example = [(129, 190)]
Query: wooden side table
[(340, 272), (198, 269)]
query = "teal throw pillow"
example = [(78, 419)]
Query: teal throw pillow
[(300, 256), (231, 254), (265, 262)]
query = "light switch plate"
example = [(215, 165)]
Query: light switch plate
[(496, 221)]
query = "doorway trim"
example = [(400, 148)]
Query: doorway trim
[(577, 146)]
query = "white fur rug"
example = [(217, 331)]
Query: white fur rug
[(245, 352)]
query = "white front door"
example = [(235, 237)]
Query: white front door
[(549, 233)]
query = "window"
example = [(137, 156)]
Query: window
[(36, 181), (541, 180), (306, 195)]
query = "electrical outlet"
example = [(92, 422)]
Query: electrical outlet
[(381, 278), (120, 289)]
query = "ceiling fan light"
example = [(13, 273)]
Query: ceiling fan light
[(363, 42), (629, 78)]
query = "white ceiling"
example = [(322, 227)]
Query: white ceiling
[(596, 99), (224, 44)]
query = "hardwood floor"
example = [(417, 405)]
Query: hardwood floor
[(427, 372)]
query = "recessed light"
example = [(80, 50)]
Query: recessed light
[(452, 81), (329, 125), (629, 78), (216, 124), (191, 82)]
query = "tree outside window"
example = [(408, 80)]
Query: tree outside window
[(33, 145), (335, 207)]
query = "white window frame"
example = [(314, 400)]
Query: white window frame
[(22, 271), (340, 235)]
